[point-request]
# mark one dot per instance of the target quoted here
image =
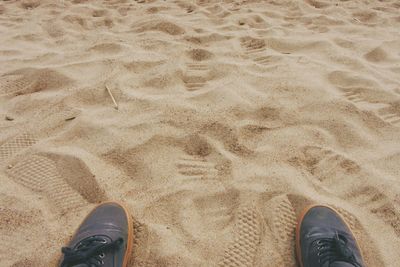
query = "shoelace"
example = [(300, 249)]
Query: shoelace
[(90, 252), (335, 249)]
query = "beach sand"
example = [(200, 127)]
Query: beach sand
[(232, 117)]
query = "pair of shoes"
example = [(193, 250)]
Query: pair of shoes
[(105, 238)]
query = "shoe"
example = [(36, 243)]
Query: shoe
[(323, 239), (104, 238)]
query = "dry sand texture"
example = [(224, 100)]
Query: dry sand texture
[(233, 116)]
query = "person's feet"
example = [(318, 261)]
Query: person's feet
[(324, 240), (103, 239)]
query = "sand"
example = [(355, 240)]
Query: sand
[(232, 117)]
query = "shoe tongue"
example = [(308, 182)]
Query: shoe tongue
[(341, 264)]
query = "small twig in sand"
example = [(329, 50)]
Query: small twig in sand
[(9, 118), (70, 118), (112, 97)]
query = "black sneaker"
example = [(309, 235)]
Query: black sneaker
[(323, 239), (103, 239)]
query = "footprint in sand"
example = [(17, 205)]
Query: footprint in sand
[(377, 55), (355, 95), (40, 174), (255, 50), (216, 210), (196, 168), (15, 145), (378, 203), (217, 11), (50, 120), (391, 113), (200, 162), (177, 161), (204, 3), (345, 79), (141, 247), (64, 180), (247, 235), (12, 84), (106, 48), (228, 136), (366, 17), (325, 163), (334, 171), (195, 76), (281, 220), (160, 25), (28, 81), (366, 95), (360, 90), (197, 72), (206, 219)]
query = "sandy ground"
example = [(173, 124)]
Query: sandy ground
[(233, 116)]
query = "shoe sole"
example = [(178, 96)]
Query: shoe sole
[(129, 244), (298, 226)]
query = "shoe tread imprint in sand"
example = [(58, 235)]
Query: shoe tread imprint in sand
[(201, 163), (198, 71), (348, 181), (166, 213), (15, 145), (202, 219), (195, 76), (30, 80), (217, 11), (331, 168), (367, 95), (254, 49), (66, 191), (50, 119), (248, 229), (12, 84), (377, 202), (141, 248), (196, 168), (215, 210), (325, 165), (281, 220), (53, 118), (391, 113)]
